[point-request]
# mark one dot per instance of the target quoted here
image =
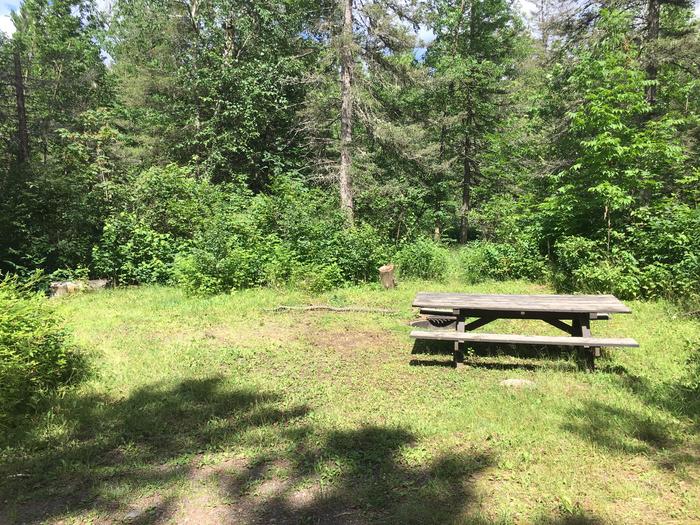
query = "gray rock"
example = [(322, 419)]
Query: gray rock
[(518, 383), (97, 284), (61, 288)]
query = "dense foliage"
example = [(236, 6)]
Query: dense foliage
[(35, 352), (201, 144)]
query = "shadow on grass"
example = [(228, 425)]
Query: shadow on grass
[(657, 429), (577, 517), (115, 456), (621, 429), (681, 398), (654, 433), (110, 450), (482, 355), (362, 478)]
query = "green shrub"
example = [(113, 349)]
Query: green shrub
[(69, 274), (229, 254), (481, 260), (582, 265), (665, 241), (132, 253), (35, 352), (318, 278), (657, 255), (424, 259), (291, 236), (310, 224), (280, 264), (357, 252), (571, 255), (170, 200)]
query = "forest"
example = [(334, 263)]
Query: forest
[(220, 145)]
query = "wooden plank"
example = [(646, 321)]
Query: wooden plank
[(515, 302), (523, 303), (517, 314), (522, 339), (478, 323), (437, 311), (556, 323)]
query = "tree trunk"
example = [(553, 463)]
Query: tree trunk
[(22, 134), (467, 175), (466, 189), (346, 78), (386, 276), (653, 16)]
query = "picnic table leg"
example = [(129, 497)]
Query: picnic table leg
[(458, 353), (582, 328)]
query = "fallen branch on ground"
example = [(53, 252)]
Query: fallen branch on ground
[(324, 307)]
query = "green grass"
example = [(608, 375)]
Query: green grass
[(220, 411)]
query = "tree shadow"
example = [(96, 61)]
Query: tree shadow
[(361, 476), (681, 398), (576, 517), (118, 458), (651, 433), (620, 429), (131, 444)]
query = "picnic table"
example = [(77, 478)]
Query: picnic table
[(570, 313)]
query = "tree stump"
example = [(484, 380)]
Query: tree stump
[(386, 276)]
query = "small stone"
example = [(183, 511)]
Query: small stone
[(136, 514), (518, 383)]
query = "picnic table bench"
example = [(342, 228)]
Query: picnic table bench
[(570, 313)]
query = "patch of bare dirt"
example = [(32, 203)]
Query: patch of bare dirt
[(350, 339), (254, 334)]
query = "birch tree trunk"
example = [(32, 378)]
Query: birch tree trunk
[(346, 78)]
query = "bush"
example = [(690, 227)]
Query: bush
[(292, 236), (657, 255), (424, 259), (582, 265), (357, 252), (666, 243), (217, 264), (35, 353), (501, 261), (318, 278), (231, 253), (311, 225), (132, 253), (170, 200)]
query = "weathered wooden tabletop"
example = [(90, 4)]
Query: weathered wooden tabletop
[(521, 303)]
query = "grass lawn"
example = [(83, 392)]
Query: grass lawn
[(220, 411)]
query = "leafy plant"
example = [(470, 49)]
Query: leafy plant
[(130, 252), (423, 259), (489, 260), (36, 354)]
